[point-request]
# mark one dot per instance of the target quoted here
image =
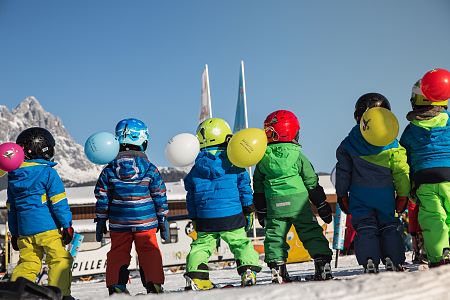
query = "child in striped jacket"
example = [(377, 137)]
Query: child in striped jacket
[(132, 196)]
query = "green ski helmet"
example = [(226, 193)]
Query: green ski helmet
[(418, 99), (213, 132)]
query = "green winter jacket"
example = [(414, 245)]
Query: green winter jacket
[(284, 175)]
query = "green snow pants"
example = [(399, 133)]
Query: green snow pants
[(308, 230), (204, 246), (434, 217)]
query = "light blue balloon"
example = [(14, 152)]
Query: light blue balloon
[(101, 148)]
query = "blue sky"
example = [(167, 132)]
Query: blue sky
[(93, 63)]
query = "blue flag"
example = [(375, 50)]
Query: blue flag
[(240, 120)]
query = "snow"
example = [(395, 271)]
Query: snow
[(429, 284)]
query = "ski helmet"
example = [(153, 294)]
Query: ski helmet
[(132, 132), (418, 99), (282, 126), (213, 132), (367, 101), (37, 143)]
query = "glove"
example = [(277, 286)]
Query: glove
[(163, 228), (249, 216), (324, 210), (67, 235), (14, 244), (100, 229), (343, 204), (261, 209), (400, 204), (413, 218)]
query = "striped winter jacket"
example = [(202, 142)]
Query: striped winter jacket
[(131, 193), (36, 199)]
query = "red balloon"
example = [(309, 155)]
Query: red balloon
[(435, 85)]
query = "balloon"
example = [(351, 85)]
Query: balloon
[(101, 148), (435, 85), (379, 126), (182, 149), (11, 156), (247, 147)]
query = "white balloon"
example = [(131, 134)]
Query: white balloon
[(182, 149)]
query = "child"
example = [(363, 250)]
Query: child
[(132, 195), (427, 142), (367, 178), (219, 198), (284, 181), (37, 210)]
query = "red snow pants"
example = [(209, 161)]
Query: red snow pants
[(149, 256)]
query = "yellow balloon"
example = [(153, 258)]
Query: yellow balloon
[(379, 126), (247, 147)]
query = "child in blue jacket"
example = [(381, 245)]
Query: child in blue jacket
[(132, 196), (372, 182), (427, 143), (219, 198), (39, 216)]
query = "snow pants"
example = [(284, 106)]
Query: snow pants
[(308, 230), (203, 247), (32, 249), (434, 217), (377, 239), (149, 256)]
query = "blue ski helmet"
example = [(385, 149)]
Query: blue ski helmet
[(132, 131)]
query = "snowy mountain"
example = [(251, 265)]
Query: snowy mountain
[(73, 166)]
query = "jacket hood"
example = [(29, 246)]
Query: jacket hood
[(130, 165), (212, 162), (436, 130), (357, 145), (23, 177), (281, 156)]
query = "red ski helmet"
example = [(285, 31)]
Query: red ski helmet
[(282, 126)]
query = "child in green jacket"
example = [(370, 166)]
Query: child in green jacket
[(284, 182)]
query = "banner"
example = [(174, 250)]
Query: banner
[(240, 120), (205, 101), (340, 219)]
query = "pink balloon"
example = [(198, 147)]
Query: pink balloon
[(11, 156)]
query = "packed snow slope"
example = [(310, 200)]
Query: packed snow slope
[(413, 284)]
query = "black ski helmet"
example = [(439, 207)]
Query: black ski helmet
[(367, 101), (37, 142)]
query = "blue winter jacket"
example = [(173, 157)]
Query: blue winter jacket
[(371, 175), (36, 199), (131, 193), (217, 191), (427, 144)]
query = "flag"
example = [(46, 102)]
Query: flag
[(240, 119), (205, 104)]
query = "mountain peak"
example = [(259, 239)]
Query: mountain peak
[(27, 104)]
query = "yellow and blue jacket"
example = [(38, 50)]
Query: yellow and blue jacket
[(37, 200)]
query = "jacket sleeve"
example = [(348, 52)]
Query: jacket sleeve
[(57, 200), (102, 195), (190, 200), (158, 192), (306, 171), (245, 190), (344, 168), (258, 181), (404, 143), (12, 215), (400, 171)]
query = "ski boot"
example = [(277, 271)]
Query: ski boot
[(390, 266), (154, 288), (371, 267), (323, 268), (118, 289), (279, 272), (248, 278), (197, 284)]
